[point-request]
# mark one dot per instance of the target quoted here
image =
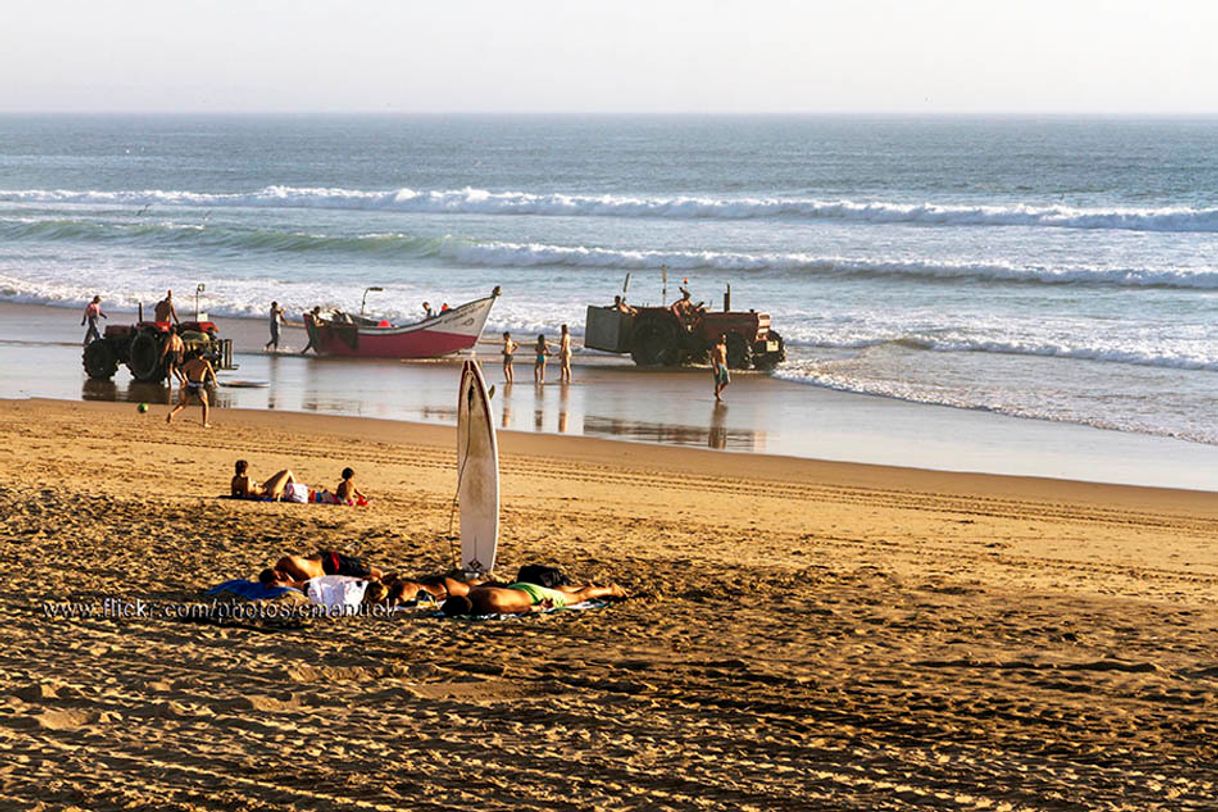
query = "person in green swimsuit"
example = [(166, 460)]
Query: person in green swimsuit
[(521, 598)]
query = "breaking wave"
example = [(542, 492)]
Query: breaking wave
[(482, 201), (494, 254)]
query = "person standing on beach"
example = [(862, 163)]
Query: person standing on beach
[(315, 315), (719, 366), (539, 362), (196, 373), (172, 355), (277, 318), (564, 356), (509, 353), (165, 311), (93, 312)]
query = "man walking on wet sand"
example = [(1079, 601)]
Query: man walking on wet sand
[(277, 318), (92, 313), (719, 366)]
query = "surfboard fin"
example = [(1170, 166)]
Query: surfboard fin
[(490, 393)]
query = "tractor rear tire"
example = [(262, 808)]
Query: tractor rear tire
[(146, 362), (739, 353), (100, 360), (769, 360), (655, 344)]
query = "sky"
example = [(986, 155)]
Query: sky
[(620, 56)]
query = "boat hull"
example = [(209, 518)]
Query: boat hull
[(452, 331)]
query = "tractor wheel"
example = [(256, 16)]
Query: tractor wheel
[(100, 360), (656, 344), (769, 360), (145, 361), (739, 353)]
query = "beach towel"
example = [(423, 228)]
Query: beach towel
[(251, 590), (300, 495), (574, 607), (324, 497)]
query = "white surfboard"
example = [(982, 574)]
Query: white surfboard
[(477, 473)]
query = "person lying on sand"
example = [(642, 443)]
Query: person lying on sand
[(439, 587), (522, 599), (294, 570), (282, 485)]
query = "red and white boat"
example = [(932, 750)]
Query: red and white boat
[(334, 332)]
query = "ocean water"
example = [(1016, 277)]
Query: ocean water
[(1050, 268)]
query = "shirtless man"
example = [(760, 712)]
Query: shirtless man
[(682, 307), (164, 310), (172, 355), (522, 599), (196, 372), (509, 355), (294, 570), (718, 356), (564, 356), (619, 304)]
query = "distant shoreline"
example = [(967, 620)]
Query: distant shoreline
[(611, 399)]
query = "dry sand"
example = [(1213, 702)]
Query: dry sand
[(805, 635)]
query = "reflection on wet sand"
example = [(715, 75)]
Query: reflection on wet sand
[(663, 409), (446, 414), (564, 407), (150, 393), (721, 438), (718, 427)]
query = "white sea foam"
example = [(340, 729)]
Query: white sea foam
[(482, 201), (1182, 358), (1073, 399)]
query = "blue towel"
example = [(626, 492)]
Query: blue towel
[(251, 590)]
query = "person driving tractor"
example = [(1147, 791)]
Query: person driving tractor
[(685, 310)]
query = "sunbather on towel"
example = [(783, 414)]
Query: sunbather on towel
[(294, 570), (282, 485), (521, 598), (439, 587)]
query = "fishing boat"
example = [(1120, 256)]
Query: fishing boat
[(335, 332)]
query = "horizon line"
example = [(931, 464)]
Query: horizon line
[(893, 113)]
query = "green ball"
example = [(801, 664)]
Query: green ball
[(143, 407)]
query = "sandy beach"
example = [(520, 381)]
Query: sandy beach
[(803, 634)]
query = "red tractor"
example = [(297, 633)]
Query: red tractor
[(684, 333), (142, 348)]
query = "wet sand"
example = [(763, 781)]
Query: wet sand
[(804, 635), (610, 398)]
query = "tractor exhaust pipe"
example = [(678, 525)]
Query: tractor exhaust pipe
[(727, 299)]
